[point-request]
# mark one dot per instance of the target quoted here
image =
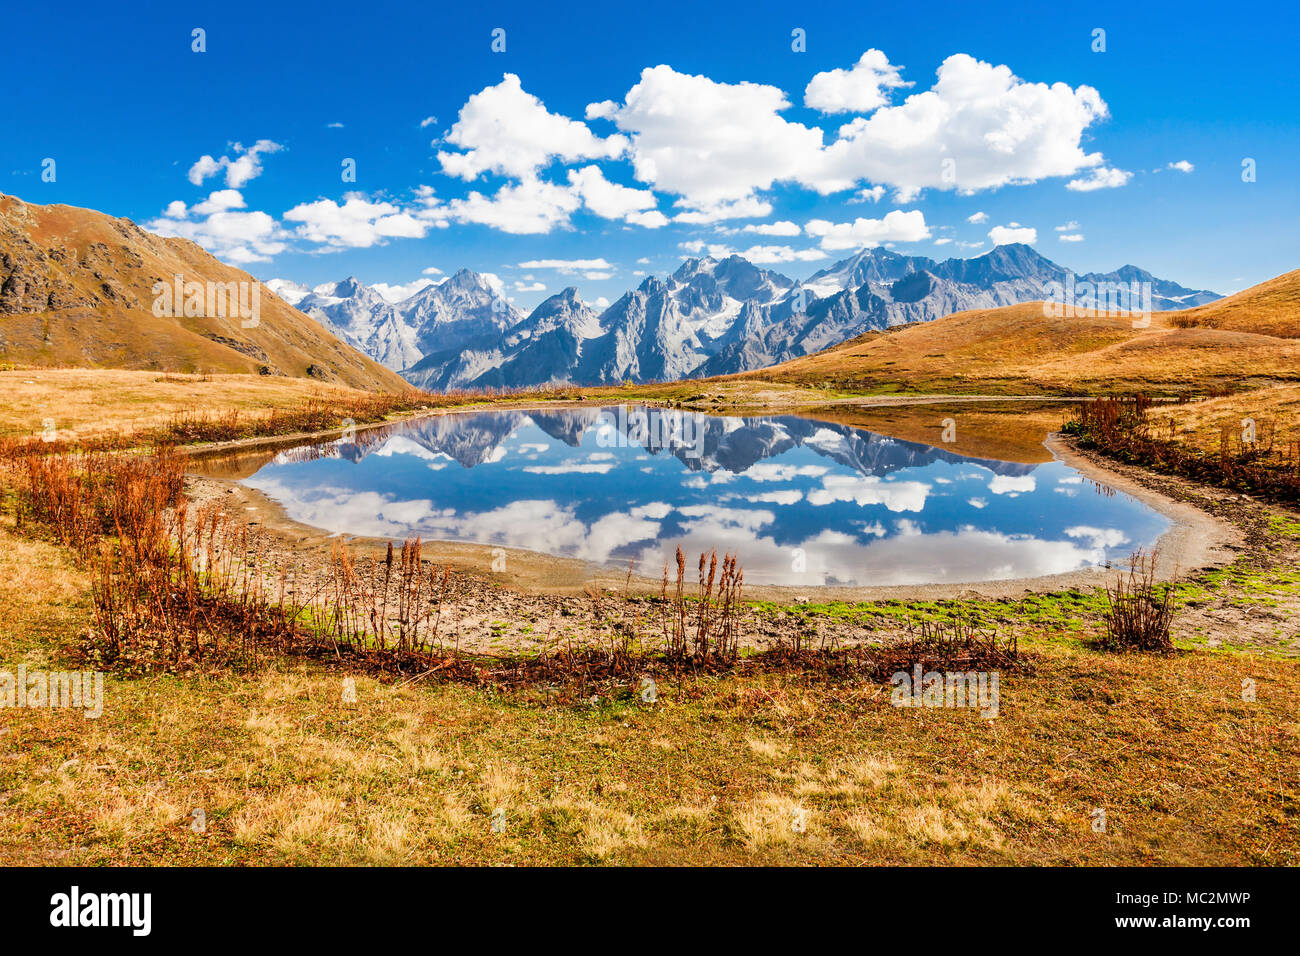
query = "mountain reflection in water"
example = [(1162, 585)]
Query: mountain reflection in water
[(801, 502)]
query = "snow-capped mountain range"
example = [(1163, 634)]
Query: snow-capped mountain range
[(448, 315), (710, 317)]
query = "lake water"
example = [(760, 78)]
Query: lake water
[(801, 502)]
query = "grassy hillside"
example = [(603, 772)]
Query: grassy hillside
[(1249, 339), (76, 289), (1270, 308)]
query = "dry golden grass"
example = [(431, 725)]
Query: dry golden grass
[(773, 819), (1270, 308), (767, 749), (81, 402), (1198, 423)]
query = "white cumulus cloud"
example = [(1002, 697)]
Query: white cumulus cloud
[(568, 265), (767, 255), (399, 293), (979, 127), (1002, 235), (245, 165), (528, 207), (713, 144), (783, 228), (218, 225), (613, 201), (860, 89), (357, 223), (1103, 177), (506, 130), (896, 226)]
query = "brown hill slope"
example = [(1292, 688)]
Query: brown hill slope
[(1271, 308), (76, 289), (1249, 339)]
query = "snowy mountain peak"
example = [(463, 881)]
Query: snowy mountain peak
[(467, 282), (565, 305)]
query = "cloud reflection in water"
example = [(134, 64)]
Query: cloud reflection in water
[(801, 502)]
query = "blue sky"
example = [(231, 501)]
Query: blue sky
[(731, 133)]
